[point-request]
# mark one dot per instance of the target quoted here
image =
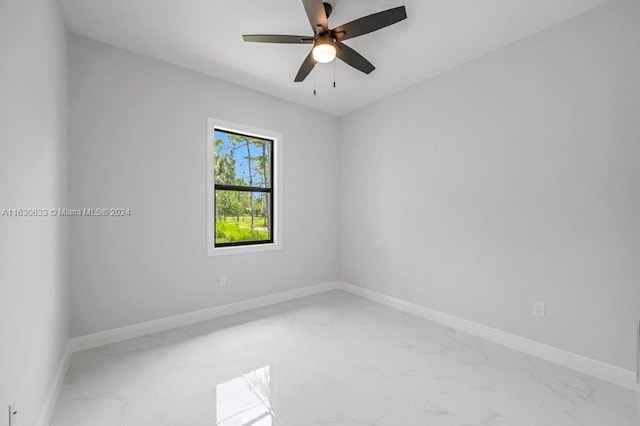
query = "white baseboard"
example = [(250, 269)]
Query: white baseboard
[(601, 370), (567, 359), (119, 334), (54, 390)]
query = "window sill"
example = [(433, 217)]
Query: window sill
[(223, 251)]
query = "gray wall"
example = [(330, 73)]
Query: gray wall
[(33, 251), (514, 178), (138, 140)]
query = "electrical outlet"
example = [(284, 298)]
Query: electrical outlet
[(223, 281), (539, 309), (13, 412)]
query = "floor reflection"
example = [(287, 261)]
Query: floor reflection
[(244, 400)]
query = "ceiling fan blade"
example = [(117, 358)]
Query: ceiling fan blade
[(317, 15), (305, 68), (353, 58), (370, 23), (273, 38)]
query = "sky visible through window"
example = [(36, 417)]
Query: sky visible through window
[(240, 148)]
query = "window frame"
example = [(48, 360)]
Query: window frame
[(275, 242)]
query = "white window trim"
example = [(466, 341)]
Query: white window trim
[(212, 125)]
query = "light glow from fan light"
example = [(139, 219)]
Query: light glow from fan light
[(324, 52)]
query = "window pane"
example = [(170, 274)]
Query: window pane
[(242, 216), (242, 160)]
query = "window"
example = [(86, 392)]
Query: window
[(243, 191), (243, 169)]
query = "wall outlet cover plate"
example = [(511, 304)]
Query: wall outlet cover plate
[(539, 309)]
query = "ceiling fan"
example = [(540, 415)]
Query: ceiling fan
[(327, 44)]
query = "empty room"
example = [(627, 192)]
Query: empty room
[(297, 213)]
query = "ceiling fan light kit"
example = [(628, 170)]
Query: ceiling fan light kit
[(324, 50), (327, 43)]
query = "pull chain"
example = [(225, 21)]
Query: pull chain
[(334, 73), (315, 73)]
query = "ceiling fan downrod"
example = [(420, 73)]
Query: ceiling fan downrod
[(327, 9)]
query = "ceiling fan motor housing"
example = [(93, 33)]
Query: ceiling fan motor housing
[(324, 39)]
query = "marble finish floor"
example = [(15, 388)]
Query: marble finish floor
[(329, 359)]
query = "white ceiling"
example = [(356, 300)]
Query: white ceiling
[(205, 36)]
